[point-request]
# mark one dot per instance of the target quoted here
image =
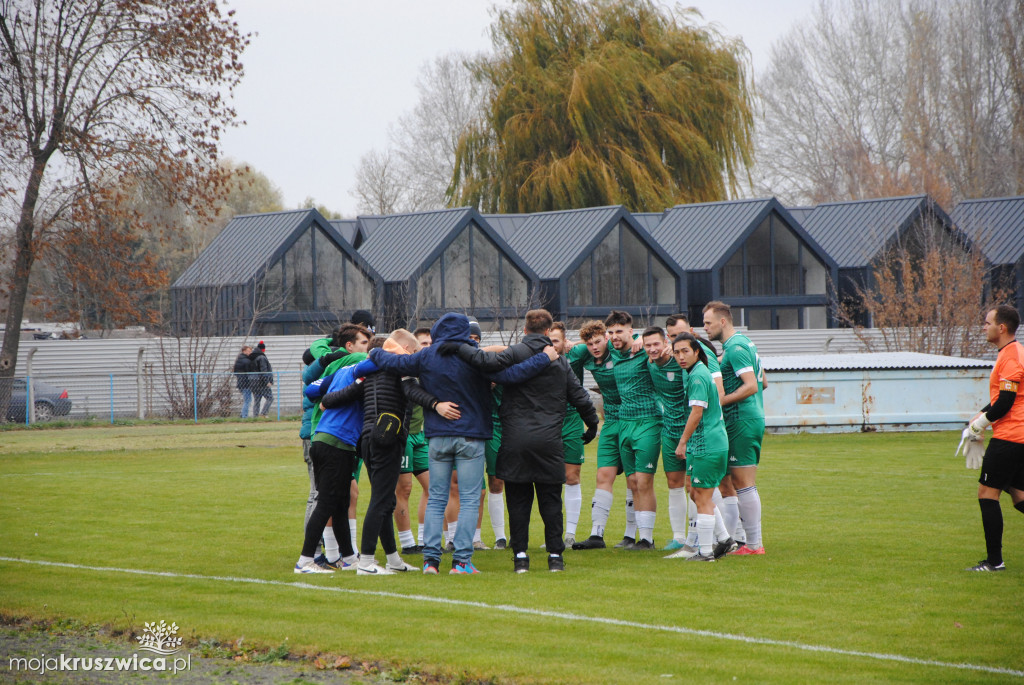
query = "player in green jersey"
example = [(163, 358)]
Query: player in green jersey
[(725, 494), (572, 444), (704, 444), (744, 417), (669, 381)]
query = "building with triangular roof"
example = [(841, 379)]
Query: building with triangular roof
[(858, 234), (590, 261), (273, 274), (752, 255), (447, 260), (996, 227)]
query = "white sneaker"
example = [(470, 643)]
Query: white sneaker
[(401, 568), (311, 567), (374, 570), (685, 553)]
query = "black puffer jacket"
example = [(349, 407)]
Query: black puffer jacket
[(532, 413), (382, 392)]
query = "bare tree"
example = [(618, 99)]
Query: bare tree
[(380, 188), (871, 98), (97, 88)]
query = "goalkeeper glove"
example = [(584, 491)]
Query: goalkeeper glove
[(978, 425)]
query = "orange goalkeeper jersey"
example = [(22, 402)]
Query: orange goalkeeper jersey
[(1008, 374)]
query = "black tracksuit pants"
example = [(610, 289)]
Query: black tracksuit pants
[(332, 470), (519, 501), (382, 466)]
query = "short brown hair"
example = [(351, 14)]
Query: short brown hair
[(591, 329), (653, 330), (673, 319), (1007, 316), (558, 326), (378, 341), (538, 320), (720, 309), (348, 332), (617, 317), (422, 330)]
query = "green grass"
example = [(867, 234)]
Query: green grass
[(867, 536)]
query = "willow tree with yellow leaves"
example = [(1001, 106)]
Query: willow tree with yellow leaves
[(605, 102)]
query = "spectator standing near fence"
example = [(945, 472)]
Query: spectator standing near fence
[(243, 365), (263, 378)]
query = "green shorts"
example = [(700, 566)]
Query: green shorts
[(640, 445), (669, 442), (491, 448), (745, 442), (608, 445), (357, 469), (572, 440), (707, 470), (415, 459)]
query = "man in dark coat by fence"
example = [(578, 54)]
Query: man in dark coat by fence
[(530, 458)]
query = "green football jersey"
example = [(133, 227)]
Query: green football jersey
[(636, 391), (670, 393), (739, 356), (710, 435), (713, 366), (602, 371)]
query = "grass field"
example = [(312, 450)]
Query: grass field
[(867, 538)]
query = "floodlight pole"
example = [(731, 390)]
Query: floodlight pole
[(30, 396), (140, 410)]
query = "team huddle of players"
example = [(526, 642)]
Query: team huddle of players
[(703, 417)]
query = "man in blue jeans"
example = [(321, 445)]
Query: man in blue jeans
[(457, 444)]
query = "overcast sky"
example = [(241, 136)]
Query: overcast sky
[(324, 78)]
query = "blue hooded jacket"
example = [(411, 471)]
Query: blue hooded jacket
[(346, 421), (450, 379)]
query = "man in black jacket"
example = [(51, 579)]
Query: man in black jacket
[(531, 458), (387, 406), (261, 381), (243, 365)]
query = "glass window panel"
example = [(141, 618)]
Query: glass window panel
[(789, 317), (485, 271), (758, 319), (634, 269), (732, 275), (358, 288), (428, 294), (581, 286), (788, 275), (815, 317), (759, 255), (815, 274), (664, 282), (299, 264), (606, 261), (456, 273), (329, 279), (271, 295), (514, 286)]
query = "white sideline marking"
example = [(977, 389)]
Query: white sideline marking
[(540, 612)]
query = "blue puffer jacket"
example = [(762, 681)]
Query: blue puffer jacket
[(450, 379)]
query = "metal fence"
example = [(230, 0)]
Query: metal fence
[(113, 396)]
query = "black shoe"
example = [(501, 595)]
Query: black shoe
[(521, 564), (627, 543), (642, 544), (700, 557), (415, 549), (723, 547), (556, 563), (593, 542), (501, 543), (986, 565)]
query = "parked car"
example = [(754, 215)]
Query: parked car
[(50, 401)]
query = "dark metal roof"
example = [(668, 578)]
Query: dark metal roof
[(401, 245), (506, 224), (853, 233), (553, 242), (245, 246), (800, 213), (347, 229), (996, 225), (869, 361), (701, 237), (648, 220)]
